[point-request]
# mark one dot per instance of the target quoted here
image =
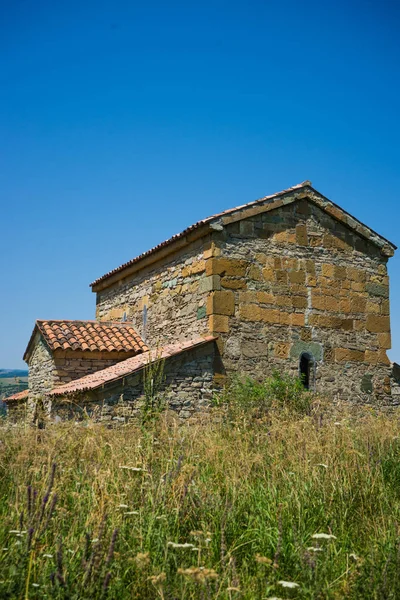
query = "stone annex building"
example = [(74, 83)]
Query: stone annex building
[(289, 282)]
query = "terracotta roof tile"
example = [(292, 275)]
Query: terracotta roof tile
[(89, 336), (346, 217), (18, 397), (127, 367)]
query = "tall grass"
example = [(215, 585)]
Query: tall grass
[(226, 508)]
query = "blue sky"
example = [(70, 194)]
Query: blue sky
[(123, 122)]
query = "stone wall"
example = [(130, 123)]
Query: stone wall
[(277, 284), (72, 364), (296, 280), (187, 388), (42, 370), (165, 301)]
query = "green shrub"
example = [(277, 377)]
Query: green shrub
[(244, 394)]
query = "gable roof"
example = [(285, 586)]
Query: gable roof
[(88, 336), (127, 367), (267, 203), (18, 397)]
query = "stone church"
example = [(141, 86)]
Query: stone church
[(290, 282)]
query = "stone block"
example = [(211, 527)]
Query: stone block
[(301, 235), (254, 349), (249, 296), (197, 267), (311, 281), (309, 266), (265, 298), (284, 318), (331, 304), (281, 276), (255, 273), (358, 305), (376, 289), (211, 251), (356, 274), (358, 286), (233, 283), (250, 312), (268, 274), (226, 266), (281, 349), (385, 308), (349, 355), (297, 277), (297, 319), (377, 324), (283, 301), (290, 263), (375, 357), (327, 270), (310, 347), (269, 315), (218, 324), (281, 237), (344, 305), (221, 303), (340, 272), (372, 307), (209, 283)]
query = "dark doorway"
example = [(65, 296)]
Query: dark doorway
[(306, 369)]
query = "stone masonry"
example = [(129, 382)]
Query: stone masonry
[(185, 386), (273, 282)]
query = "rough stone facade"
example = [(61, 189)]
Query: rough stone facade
[(46, 368), (273, 286), (165, 301), (186, 387), (296, 281)]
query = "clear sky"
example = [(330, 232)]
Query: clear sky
[(123, 122)]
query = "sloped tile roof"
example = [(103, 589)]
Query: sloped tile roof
[(18, 397), (323, 202), (127, 367), (89, 336)]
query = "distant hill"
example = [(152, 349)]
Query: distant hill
[(11, 382), (7, 373)]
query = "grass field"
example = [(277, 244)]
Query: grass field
[(239, 506)]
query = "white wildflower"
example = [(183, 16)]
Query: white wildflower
[(314, 549), (131, 512), (47, 556), (324, 536), (123, 506), (354, 556), (70, 551), (5, 549), (186, 545), (35, 585), (288, 584), (137, 469), (14, 531), (337, 423)]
